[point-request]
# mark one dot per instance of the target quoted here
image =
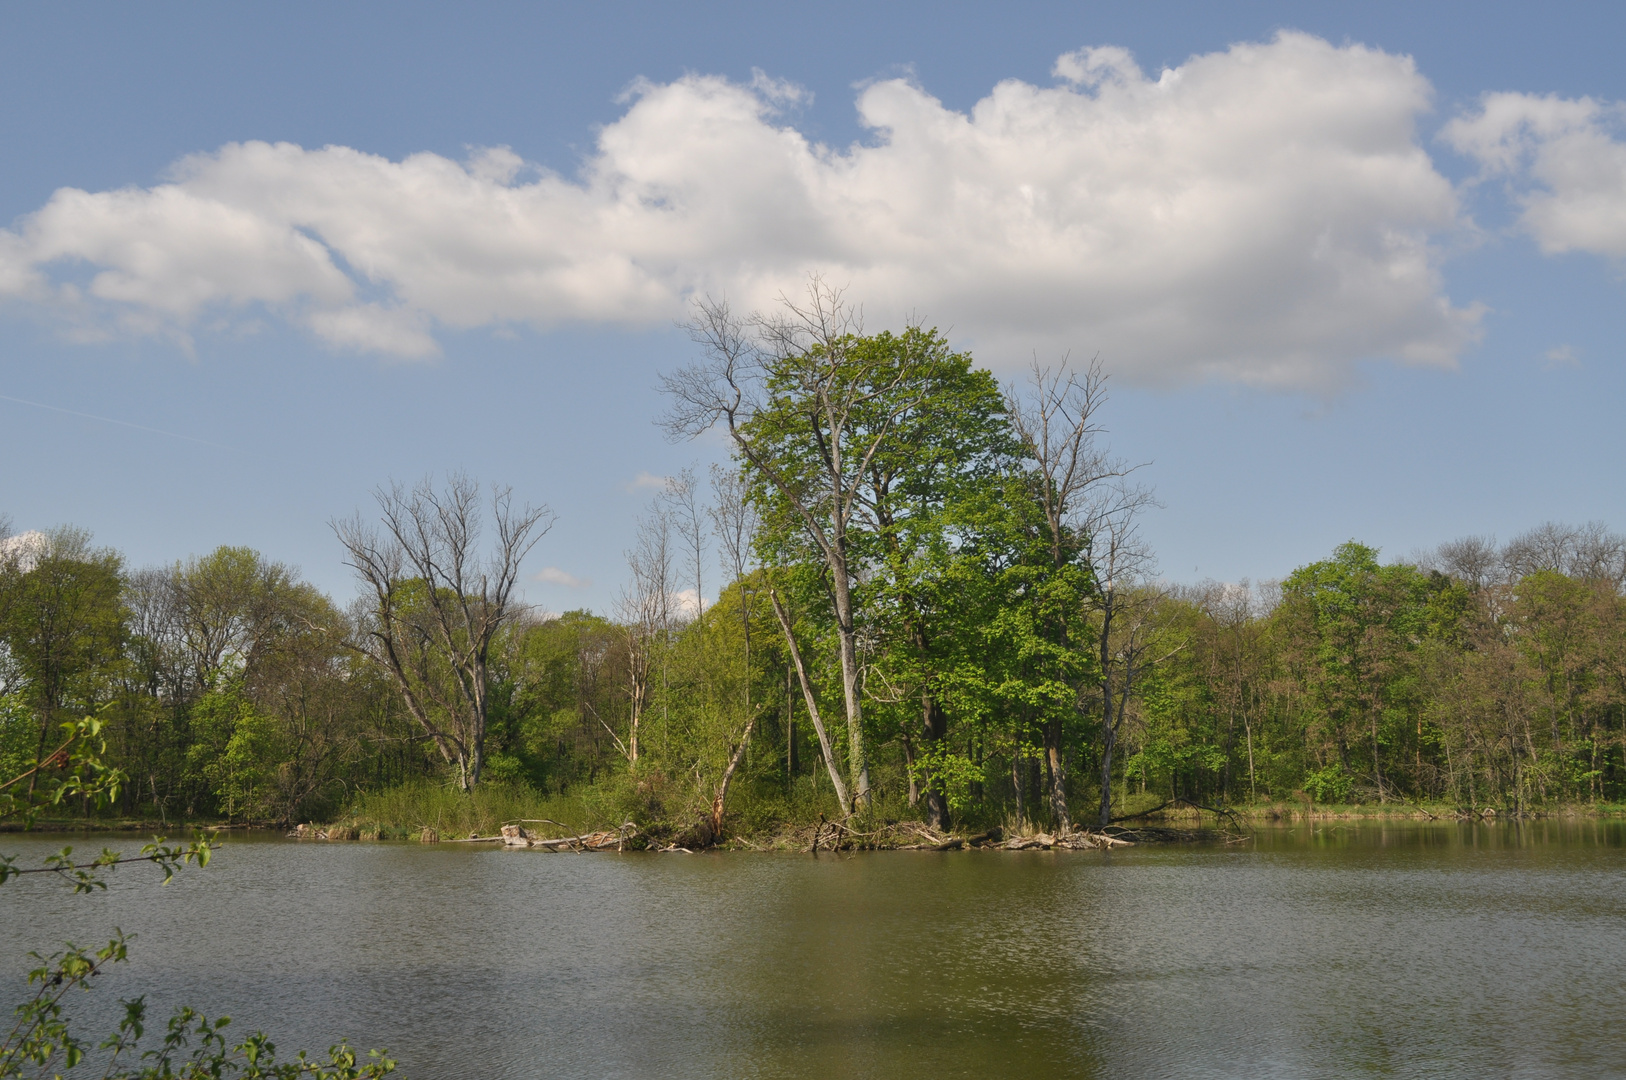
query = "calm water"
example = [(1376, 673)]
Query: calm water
[(1470, 951)]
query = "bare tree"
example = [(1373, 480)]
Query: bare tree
[(1588, 552), (1079, 482), (736, 523), (735, 520), (1126, 603), (682, 502), (155, 630), (434, 604), (801, 360), (645, 614), (1472, 559)]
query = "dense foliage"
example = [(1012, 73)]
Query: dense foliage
[(979, 638)]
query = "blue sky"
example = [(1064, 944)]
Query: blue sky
[(1341, 292)]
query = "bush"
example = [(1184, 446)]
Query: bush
[(1329, 785)]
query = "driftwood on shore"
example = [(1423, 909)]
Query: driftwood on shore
[(834, 836), (602, 840), (842, 835)]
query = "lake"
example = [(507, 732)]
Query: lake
[(1332, 950)]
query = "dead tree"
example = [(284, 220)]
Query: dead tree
[(645, 615), (434, 604), (681, 503)]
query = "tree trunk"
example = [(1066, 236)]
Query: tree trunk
[(1057, 767), (857, 761), (936, 728), (790, 729), (1377, 763), (1109, 725), (812, 705), (1016, 786), (728, 777), (909, 767)]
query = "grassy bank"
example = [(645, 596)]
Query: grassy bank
[(450, 812)]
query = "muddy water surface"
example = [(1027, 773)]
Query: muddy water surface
[(1333, 951)]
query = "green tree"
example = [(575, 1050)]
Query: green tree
[(1355, 626), (924, 508), (62, 621), (809, 402)]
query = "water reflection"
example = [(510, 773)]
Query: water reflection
[(1333, 949)]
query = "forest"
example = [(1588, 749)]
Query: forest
[(916, 593)]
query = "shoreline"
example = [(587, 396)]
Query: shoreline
[(1166, 825)]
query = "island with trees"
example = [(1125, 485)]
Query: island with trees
[(933, 606)]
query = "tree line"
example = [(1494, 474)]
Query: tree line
[(930, 598)]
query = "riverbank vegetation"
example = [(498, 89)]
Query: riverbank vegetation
[(916, 595)]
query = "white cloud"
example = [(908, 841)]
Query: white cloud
[(370, 328), (1560, 356), (647, 481), (25, 549), (552, 575), (1263, 213), (1564, 160)]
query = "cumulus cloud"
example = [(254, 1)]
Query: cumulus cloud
[(1264, 213), (552, 575), (1565, 160)]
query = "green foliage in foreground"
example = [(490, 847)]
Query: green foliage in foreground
[(192, 1047)]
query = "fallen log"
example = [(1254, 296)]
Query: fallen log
[(953, 844), (1027, 843), (602, 840)]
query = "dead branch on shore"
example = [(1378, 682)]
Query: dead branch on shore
[(1179, 800), (602, 840)]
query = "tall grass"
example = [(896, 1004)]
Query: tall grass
[(451, 812)]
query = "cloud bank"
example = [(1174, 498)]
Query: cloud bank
[(1564, 160), (1262, 214)]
